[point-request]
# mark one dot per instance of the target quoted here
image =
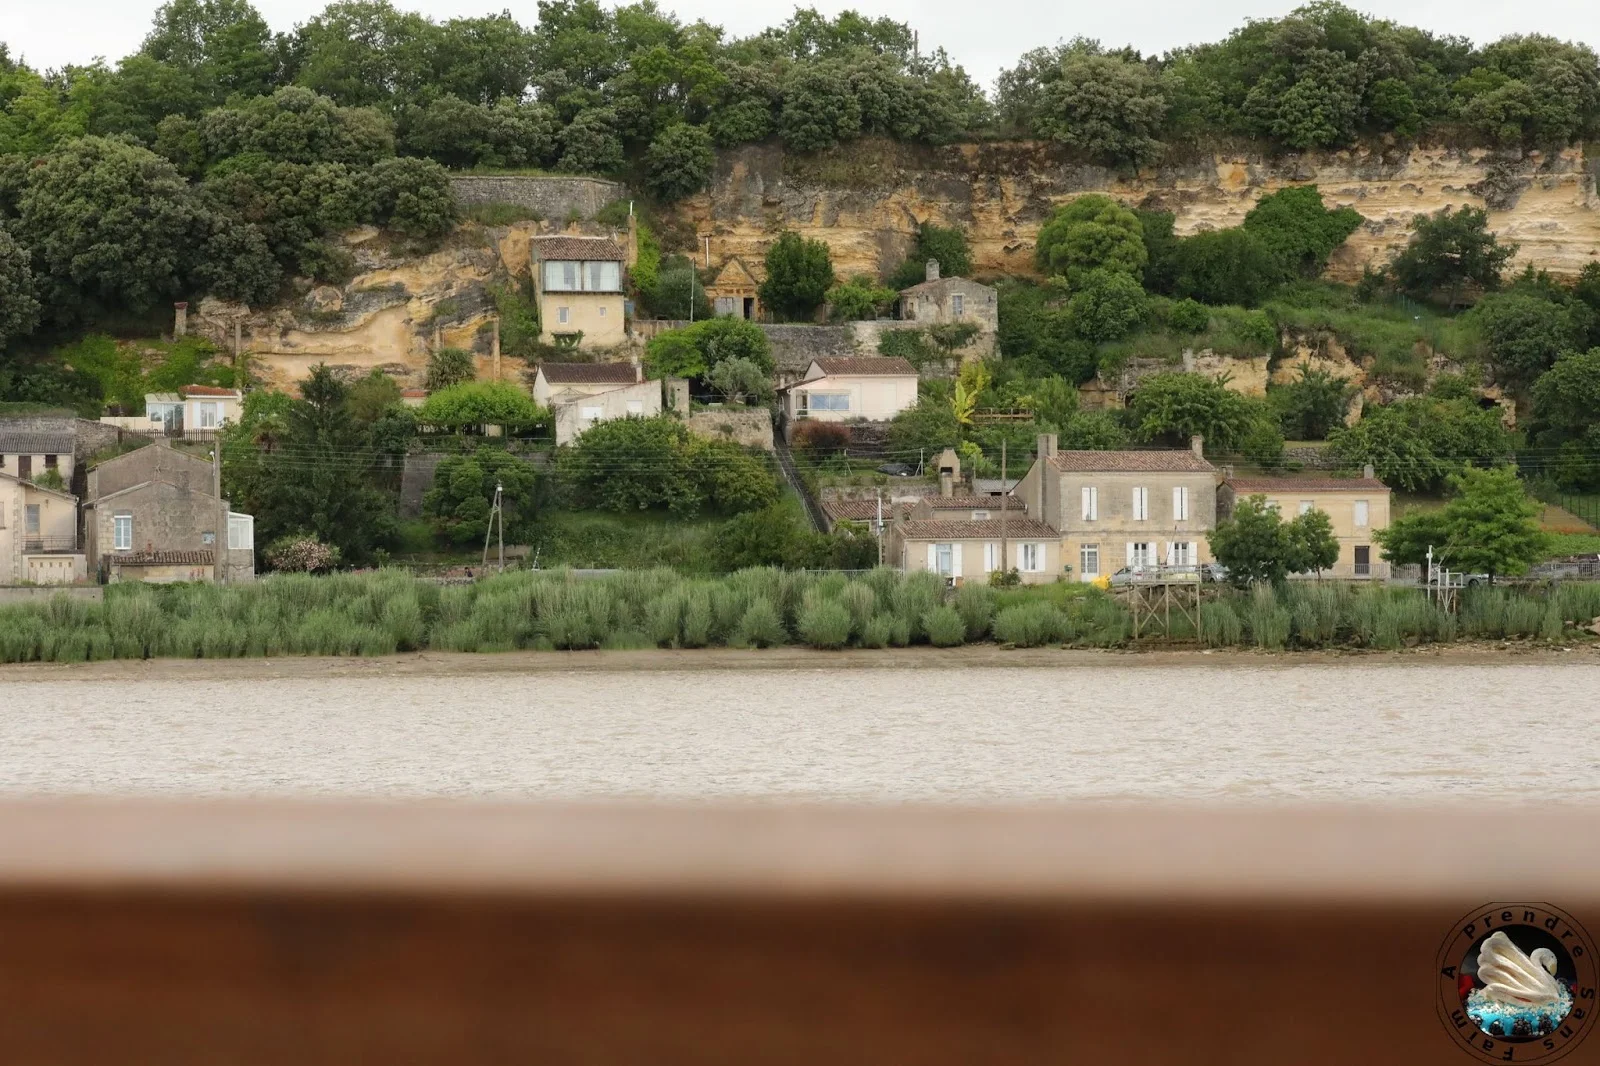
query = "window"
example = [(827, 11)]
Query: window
[(208, 538), (122, 533), (827, 401), (1032, 557), (980, 516), (1361, 514), (591, 414), (957, 302), (30, 522), (561, 276), (727, 306), (208, 415), (602, 310), (241, 531), (603, 277), (1141, 554), (944, 558), (51, 462), (1306, 506), (1181, 553), (1363, 565), (1141, 504), (636, 407), (991, 556), (1180, 504), (1089, 560), (562, 314), (1091, 503)]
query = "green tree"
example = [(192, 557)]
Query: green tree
[(1225, 266), (364, 52), (109, 225), (1092, 232), (1313, 404), (1313, 547), (861, 298), (1173, 407), (482, 403), (373, 396), (1093, 431), (1566, 400), (413, 198), (1253, 543), (1106, 305), (1110, 107), (19, 309), (1409, 536), (450, 366), (590, 143), (319, 477), (799, 275), (1491, 524), (461, 499), (1297, 229), (1525, 335), (223, 46), (925, 428), (1161, 251), (679, 162), (945, 244), (820, 107), (740, 379), (694, 351), (1415, 444), (1448, 252), (296, 125)]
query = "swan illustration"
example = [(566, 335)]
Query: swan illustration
[(1512, 978)]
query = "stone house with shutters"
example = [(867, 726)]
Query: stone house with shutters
[(941, 301), (1111, 509), (578, 286), (1357, 508), (961, 546)]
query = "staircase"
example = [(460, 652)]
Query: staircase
[(780, 446)]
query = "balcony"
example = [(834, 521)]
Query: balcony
[(32, 544)]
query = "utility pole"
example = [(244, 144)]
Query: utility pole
[(878, 528), (1004, 569), (496, 514)]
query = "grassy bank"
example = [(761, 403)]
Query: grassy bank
[(389, 612)]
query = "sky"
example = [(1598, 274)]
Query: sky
[(983, 35)]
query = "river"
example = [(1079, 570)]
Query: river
[(1236, 729)]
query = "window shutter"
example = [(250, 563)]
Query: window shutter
[(1130, 552), (1180, 503), (1170, 560), (955, 559), (1088, 505), (933, 557), (991, 556)]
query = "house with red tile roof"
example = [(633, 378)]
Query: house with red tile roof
[(578, 287), (582, 394), (1357, 508), (851, 389)]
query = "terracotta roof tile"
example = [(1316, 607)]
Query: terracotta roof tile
[(975, 503), (591, 249), (955, 529), (865, 366), (1176, 460), (862, 510), (859, 510), (1248, 486), (414, 394), (588, 373), (207, 390), (162, 558)]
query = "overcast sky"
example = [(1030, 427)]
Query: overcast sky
[(982, 35)]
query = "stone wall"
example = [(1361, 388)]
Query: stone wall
[(416, 478), (43, 594), (550, 197), (753, 429), (89, 437)]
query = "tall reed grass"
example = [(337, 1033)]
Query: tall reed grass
[(389, 611)]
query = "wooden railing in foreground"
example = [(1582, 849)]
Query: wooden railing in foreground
[(253, 933)]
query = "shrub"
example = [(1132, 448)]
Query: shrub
[(761, 626), (825, 625), (1029, 625), (975, 604), (945, 627), (449, 366), (1188, 316), (679, 161), (820, 439), (482, 403), (302, 555)]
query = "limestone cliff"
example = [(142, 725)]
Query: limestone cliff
[(866, 200)]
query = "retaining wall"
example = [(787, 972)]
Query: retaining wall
[(551, 197)]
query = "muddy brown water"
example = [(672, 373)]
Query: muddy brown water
[(1235, 730)]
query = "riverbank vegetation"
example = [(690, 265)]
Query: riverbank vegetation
[(386, 612)]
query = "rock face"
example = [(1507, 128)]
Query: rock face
[(867, 199)]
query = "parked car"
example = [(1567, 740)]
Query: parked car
[(1213, 573), (897, 470)]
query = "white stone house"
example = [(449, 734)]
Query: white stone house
[(851, 389), (580, 395)]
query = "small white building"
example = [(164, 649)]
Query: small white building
[(194, 411), (582, 394), (851, 389)]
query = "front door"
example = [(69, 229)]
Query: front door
[(749, 307), (25, 467), (1363, 560)]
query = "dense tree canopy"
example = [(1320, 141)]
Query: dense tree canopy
[(1093, 232)]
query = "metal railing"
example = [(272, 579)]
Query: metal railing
[(49, 545)]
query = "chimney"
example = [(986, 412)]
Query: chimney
[(1197, 444), (932, 269), (180, 320), (947, 483), (1047, 445), (1368, 473), (638, 370)]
